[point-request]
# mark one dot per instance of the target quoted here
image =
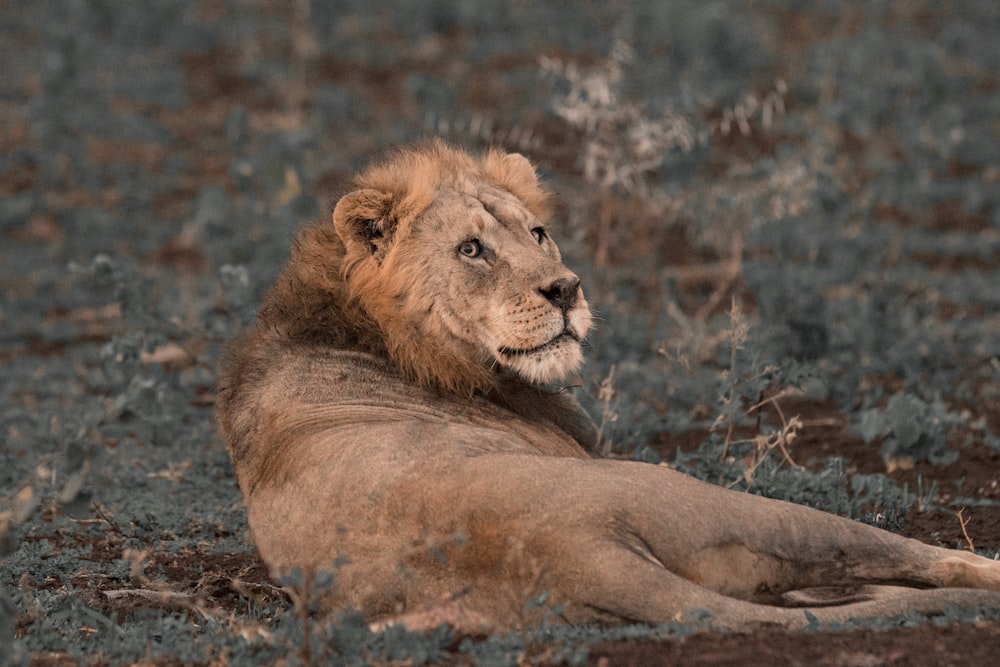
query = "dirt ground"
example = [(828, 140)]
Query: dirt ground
[(154, 163)]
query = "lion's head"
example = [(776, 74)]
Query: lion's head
[(449, 257)]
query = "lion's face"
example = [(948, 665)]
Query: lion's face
[(471, 285), (502, 288)]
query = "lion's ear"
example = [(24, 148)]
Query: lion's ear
[(515, 173), (364, 220), (520, 170)]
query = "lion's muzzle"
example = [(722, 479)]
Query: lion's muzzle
[(563, 293)]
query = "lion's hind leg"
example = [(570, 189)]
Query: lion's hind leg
[(963, 569), (757, 548), (638, 589)]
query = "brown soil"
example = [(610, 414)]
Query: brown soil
[(923, 646)]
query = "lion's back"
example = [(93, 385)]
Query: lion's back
[(278, 399)]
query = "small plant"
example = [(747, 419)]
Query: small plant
[(911, 429), (749, 387), (608, 398), (623, 144), (737, 333)]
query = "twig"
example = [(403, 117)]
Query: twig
[(107, 518), (789, 430), (245, 588), (965, 522), (785, 430), (152, 595), (176, 599), (763, 444)]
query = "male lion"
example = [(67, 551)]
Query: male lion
[(390, 419)]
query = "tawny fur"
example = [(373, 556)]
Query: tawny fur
[(396, 417)]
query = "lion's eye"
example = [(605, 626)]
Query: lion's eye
[(539, 234), (470, 248)]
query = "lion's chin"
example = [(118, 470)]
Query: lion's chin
[(546, 363)]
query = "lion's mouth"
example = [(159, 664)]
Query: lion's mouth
[(565, 336)]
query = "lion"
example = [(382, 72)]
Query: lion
[(396, 418)]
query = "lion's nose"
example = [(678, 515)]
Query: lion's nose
[(563, 293)]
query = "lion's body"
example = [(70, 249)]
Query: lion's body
[(386, 422)]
